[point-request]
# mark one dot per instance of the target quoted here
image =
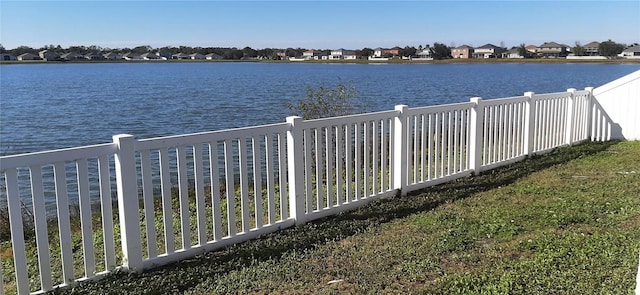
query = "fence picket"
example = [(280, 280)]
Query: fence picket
[(106, 207), (198, 171), (214, 171), (85, 218), (167, 210), (40, 222), (64, 226), (147, 198), (183, 196), (17, 235)]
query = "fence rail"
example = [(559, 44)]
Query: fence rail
[(179, 196)]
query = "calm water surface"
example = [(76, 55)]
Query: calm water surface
[(49, 106)]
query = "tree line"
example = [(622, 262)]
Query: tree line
[(438, 50)]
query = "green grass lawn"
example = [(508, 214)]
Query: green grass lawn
[(562, 223)]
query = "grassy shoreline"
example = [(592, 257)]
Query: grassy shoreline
[(561, 223), (358, 61)]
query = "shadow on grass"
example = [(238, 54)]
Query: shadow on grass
[(181, 276)]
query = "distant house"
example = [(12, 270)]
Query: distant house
[(150, 56), (72, 56), (48, 55), (464, 51), (591, 49), (512, 53), (212, 56), (488, 51), (531, 48), (387, 52), (27, 56), (132, 56), (164, 54), (631, 52), (94, 56), (112, 56), (342, 54), (6, 56), (196, 56), (180, 56), (350, 55), (424, 54), (552, 50), (312, 54)]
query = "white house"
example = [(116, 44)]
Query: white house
[(487, 51), (631, 52), (151, 56), (425, 54), (342, 54), (312, 54), (196, 56), (48, 55), (27, 56), (512, 53)]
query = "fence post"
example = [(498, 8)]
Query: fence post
[(568, 137), (476, 135), (590, 115), (400, 135), (126, 179), (295, 167), (529, 126)]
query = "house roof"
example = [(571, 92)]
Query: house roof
[(464, 47), (552, 45), (632, 49), (71, 54), (487, 46), (27, 54), (592, 44)]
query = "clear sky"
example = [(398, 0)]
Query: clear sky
[(315, 24)]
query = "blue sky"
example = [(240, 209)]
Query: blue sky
[(314, 24)]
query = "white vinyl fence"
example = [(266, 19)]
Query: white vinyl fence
[(180, 196)]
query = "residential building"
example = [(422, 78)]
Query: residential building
[(591, 49), (112, 56), (341, 53), (512, 53), (132, 56), (488, 51), (71, 56), (631, 52), (464, 51), (165, 54), (6, 56), (48, 55), (94, 56), (531, 48), (424, 54), (387, 52), (196, 56), (150, 56), (180, 55), (312, 54), (27, 56), (212, 56), (552, 50)]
